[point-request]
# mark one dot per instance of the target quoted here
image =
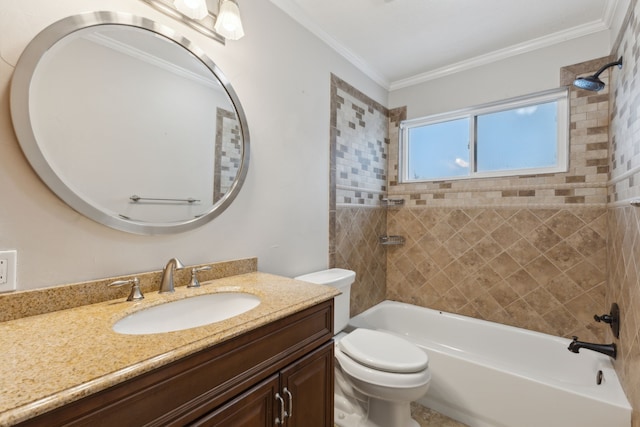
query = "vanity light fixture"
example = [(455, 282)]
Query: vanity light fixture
[(194, 9), (228, 22), (196, 14)]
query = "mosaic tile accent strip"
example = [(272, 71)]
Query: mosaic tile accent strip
[(539, 269), (358, 178), (361, 146), (228, 152), (624, 220)]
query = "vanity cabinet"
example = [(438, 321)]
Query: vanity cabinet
[(300, 395), (235, 383)]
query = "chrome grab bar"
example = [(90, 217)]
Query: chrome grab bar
[(135, 199)]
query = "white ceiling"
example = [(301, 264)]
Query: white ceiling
[(402, 42)]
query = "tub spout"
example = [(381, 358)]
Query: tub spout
[(608, 349)]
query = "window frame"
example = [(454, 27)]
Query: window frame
[(561, 96)]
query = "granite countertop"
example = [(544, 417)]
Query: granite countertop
[(56, 358)]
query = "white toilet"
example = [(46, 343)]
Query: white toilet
[(377, 374)]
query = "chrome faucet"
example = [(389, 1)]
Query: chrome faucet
[(166, 285), (195, 283), (608, 349), (135, 294)]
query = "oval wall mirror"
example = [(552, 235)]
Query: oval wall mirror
[(129, 123)]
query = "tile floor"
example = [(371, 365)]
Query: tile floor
[(429, 418)]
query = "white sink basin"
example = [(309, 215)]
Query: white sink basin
[(186, 313)]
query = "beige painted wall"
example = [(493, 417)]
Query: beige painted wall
[(281, 74)]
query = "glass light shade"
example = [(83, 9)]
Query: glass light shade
[(228, 23), (194, 9)]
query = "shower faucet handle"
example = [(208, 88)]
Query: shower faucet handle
[(613, 319), (606, 318)]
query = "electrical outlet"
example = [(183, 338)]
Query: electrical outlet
[(8, 262)]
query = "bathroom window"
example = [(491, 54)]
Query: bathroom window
[(523, 136)]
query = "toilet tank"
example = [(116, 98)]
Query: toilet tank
[(338, 278)]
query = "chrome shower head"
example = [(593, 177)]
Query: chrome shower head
[(589, 83), (593, 83)]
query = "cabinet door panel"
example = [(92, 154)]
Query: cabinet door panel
[(251, 409), (310, 382)]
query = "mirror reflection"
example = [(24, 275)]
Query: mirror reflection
[(136, 126)]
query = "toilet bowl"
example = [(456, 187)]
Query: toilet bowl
[(378, 374)]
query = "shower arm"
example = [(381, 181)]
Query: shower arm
[(604, 67)]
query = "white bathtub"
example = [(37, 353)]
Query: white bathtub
[(485, 374)]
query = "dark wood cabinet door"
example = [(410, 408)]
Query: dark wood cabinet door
[(310, 384), (254, 408), (305, 389)]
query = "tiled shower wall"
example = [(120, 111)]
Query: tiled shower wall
[(624, 219), (359, 149), (527, 251), (541, 252)]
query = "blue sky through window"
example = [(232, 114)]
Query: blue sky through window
[(521, 138), (439, 150), (516, 139)]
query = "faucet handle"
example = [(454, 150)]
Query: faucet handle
[(613, 319), (195, 283), (135, 294), (606, 318)]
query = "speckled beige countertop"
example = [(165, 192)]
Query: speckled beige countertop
[(55, 358)]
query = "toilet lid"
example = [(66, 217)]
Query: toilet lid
[(383, 351)]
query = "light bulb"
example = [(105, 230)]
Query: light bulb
[(194, 9), (228, 23)]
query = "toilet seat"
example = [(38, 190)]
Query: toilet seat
[(383, 352), (380, 378)]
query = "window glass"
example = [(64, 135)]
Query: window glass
[(528, 135), (439, 150), (520, 138)]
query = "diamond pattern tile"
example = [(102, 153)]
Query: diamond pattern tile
[(624, 288), (358, 249), (532, 268)]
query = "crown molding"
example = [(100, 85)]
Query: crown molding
[(610, 14), (508, 52)]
